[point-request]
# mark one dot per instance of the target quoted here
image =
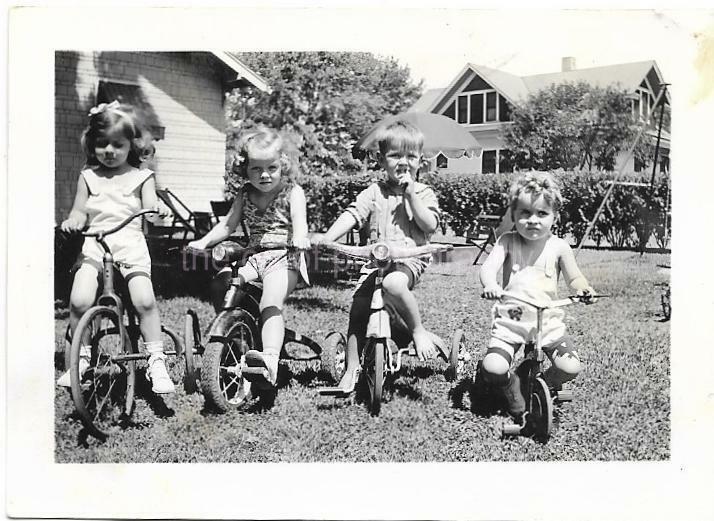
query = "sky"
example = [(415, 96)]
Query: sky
[(532, 42)]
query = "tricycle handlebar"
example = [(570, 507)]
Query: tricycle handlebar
[(382, 251), (549, 304), (104, 233)]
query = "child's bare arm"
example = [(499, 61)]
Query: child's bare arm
[(424, 216), (298, 215), (223, 229), (488, 275), (77, 217), (572, 274), (344, 223), (422, 208), (149, 201)]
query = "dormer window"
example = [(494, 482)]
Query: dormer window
[(475, 108)]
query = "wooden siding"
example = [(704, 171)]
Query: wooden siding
[(186, 95)]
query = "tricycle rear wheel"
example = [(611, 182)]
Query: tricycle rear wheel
[(333, 356)]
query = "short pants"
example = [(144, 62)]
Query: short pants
[(131, 260), (266, 262), (413, 268)]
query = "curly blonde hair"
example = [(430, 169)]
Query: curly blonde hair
[(261, 137), (106, 118), (535, 183)]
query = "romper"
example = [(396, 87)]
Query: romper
[(391, 220), (271, 231), (111, 200), (515, 322)]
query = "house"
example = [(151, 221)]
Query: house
[(481, 99), (181, 95)]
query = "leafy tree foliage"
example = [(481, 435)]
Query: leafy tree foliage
[(324, 100), (575, 126)]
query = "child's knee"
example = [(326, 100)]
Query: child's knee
[(143, 303), (81, 301), (568, 365), (396, 283), (495, 368)]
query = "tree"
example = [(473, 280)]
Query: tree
[(574, 126), (325, 100)]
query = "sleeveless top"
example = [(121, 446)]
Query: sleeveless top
[(538, 281), (271, 228), (113, 199)]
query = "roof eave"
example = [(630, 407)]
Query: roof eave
[(243, 71)]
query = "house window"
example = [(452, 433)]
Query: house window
[(488, 162), (639, 165), (504, 161), (462, 109), (491, 98), (108, 91), (476, 108), (442, 161), (504, 110)]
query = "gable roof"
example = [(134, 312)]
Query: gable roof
[(627, 76), (516, 89), (425, 101), (243, 71)]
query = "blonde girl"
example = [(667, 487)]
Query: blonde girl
[(272, 206)]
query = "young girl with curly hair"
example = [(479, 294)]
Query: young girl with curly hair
[(113, 186), (273, 207)]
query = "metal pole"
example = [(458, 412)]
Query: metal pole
[(650, 191), (630, 152)]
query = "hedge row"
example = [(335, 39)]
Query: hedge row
[(625, 222)]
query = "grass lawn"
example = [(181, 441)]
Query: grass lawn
[(621, 409)]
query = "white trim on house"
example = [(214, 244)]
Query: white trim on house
[(243, 70)]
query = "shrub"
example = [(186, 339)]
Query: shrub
[(627, 220)]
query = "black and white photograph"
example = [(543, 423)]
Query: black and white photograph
[(359, 263)]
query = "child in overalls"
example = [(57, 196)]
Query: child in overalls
[(532, 259)]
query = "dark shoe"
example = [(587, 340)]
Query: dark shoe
[(515, 404)]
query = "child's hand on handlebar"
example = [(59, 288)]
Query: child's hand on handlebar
[(317, 238), (301, 243), (72, 224), (586, 295), (492, 292), (197, 245)]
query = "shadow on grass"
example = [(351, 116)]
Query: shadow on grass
[(301, 302), (155, 401), (484, 401)]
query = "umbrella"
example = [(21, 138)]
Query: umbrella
[(442, 135)]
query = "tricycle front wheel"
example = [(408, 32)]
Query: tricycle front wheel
[(374, 372), (222, 381), (103, 394)]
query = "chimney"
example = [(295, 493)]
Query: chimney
[(568, 64)]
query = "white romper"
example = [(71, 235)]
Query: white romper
[(111, 200)]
